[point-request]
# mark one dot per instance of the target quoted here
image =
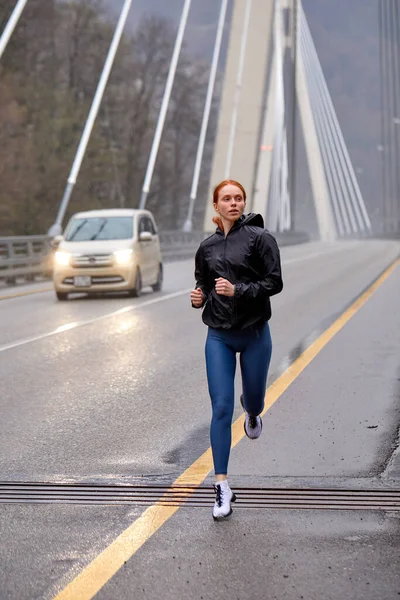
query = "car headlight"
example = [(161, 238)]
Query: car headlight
[(62, 258), (123, 257)]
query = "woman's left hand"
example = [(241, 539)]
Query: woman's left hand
[(224, 287)]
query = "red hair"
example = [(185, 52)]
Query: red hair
[(218, 220)]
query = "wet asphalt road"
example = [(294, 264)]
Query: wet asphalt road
[(123, 398)]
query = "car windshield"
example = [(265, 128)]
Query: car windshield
[(99, 228)]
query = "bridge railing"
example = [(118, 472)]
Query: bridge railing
[(30, 257), (26, 257)]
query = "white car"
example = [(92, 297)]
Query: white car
[(108, 250)]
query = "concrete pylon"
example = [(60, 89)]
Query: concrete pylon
[(242, 102), (265, 159), (320, 190), (249, 110)]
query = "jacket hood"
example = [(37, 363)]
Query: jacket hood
[(253, 219)]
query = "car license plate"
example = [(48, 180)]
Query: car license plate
[(82, 281)]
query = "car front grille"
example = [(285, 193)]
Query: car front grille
[(92, 261)]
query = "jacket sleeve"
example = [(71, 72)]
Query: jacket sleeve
[(269, 257), (201, 275)]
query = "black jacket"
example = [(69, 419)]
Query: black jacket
[(249, 258)]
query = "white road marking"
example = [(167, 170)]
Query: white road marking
[(76, 324), (125, 309)]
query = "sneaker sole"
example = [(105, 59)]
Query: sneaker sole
[(223, 517), (233, 499)]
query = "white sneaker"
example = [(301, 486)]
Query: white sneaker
[(252, 425), (223, 498)]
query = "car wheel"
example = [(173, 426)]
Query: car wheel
[(158, 285), (137, 290), (62, 296)]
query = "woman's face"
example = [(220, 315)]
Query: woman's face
[(231, 203)]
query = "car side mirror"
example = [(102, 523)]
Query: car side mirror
[(56, 241), (145, 236)]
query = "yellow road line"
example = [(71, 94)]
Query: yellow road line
[(20, 294), (106, 564)]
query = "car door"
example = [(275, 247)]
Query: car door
[(145, 252), (154, 257)]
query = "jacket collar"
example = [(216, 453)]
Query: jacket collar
[(238, 223)]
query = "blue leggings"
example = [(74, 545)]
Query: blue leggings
[(254, 346)]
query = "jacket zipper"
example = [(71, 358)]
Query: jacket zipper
[(226, 270)]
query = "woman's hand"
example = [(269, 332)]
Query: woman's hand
[(224, 287), (197, 298)]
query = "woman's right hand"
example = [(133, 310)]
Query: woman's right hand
[(197, 298)]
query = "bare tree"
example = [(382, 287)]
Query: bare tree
[(47, 86)]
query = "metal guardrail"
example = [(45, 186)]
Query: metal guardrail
[(26, 257), (31, 256)]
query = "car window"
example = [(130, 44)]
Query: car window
[(151, 226), (146, 225), (142, 225), (99, 228)]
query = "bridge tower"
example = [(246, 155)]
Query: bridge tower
[(242, 104), (272, 75)]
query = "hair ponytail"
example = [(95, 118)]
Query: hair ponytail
[(218, 222)]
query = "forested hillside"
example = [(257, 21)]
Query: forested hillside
[(48, 76)]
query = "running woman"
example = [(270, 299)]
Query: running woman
[(237, 270)]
